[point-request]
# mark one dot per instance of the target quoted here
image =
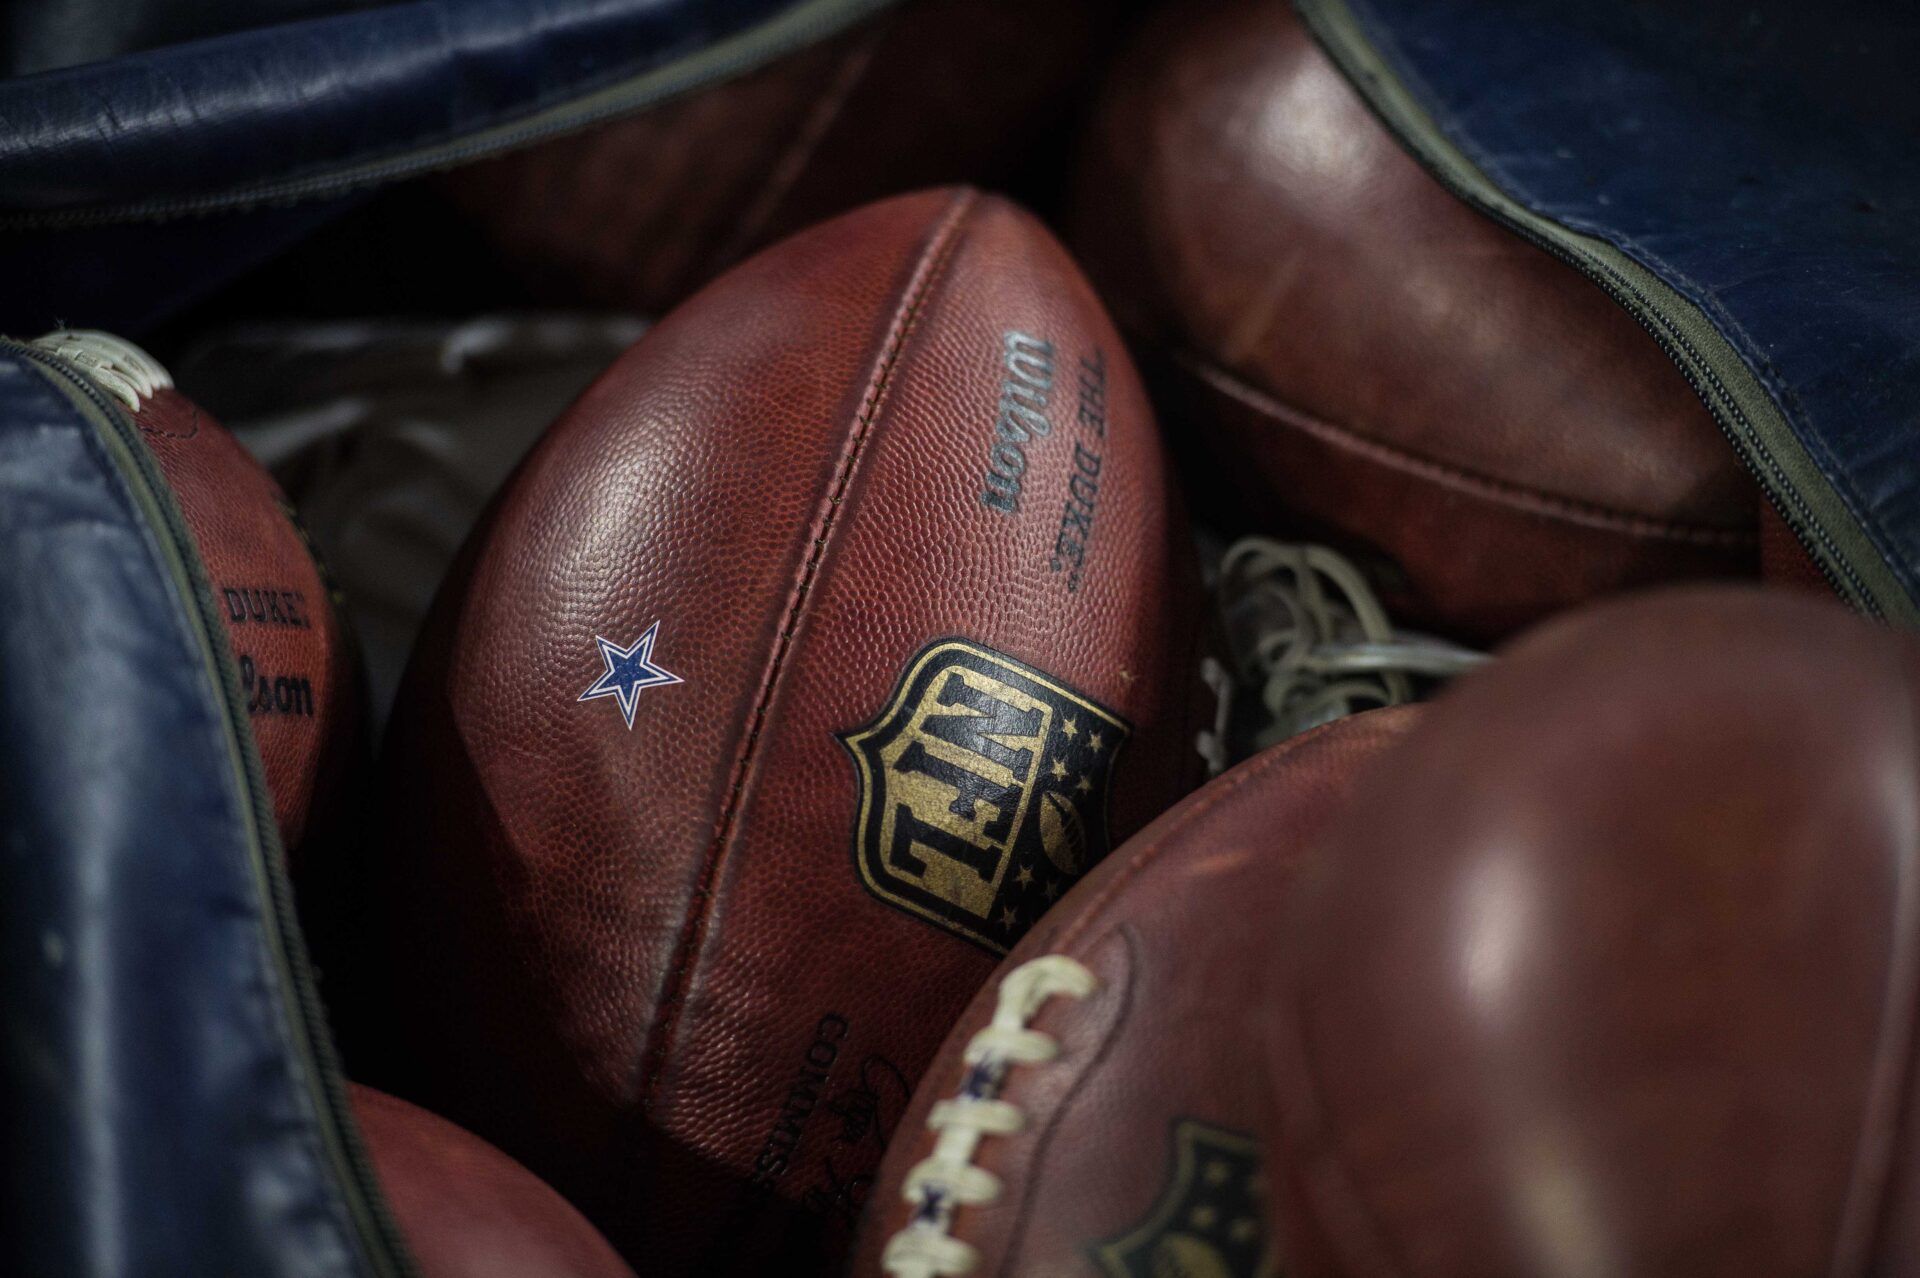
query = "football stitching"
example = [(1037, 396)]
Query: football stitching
[(1219, 792), (1514, 496), (931, 1247), (849, 69), (948, 1178), (150, 427), (1104, 1049), (920, 287)]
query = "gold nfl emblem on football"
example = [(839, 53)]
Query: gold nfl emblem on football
[(983, 791)]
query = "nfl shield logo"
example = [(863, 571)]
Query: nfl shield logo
[(1208, 1222), (983, 791)]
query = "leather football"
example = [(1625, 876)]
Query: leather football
[(914, 95), (295, 662), (824, 643), (1610, 966), (1356, 355), (465, 1209), (1098, 1108)]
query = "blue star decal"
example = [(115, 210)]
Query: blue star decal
[(628, 670)]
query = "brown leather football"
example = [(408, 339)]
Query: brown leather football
[(831, 635), (465, 1209), (1098, 1108), (1610, 967), (296, 666), (1357, 355), (918, 94)]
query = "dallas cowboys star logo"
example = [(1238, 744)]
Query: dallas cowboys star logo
[(628, 670)]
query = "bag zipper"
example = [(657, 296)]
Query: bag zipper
[(803, 24), (376, 1236), (1747, 415)]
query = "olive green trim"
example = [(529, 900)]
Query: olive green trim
[(803, 24), (376, 1236), (1747, 414)]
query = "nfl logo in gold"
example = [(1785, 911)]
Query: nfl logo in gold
[(983, 791)]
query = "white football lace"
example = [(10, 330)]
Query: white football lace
[(1211, 742), (1309, 631), (114, 364), (947, 1179)]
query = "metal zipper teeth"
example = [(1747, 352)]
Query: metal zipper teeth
[(803, 25), (1721, 382), (377, 1237)]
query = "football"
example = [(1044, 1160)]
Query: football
[(1357, 355), (1098, 1108), (960, 639), (919, 94), (296, 667), (465, 1209), (1611, 961), (817, 649)]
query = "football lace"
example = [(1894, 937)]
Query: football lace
[(114, 364), (1310, 633), (1212, 743), (947, 1179)]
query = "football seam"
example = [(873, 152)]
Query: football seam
[(844, 77), (1517, 497), (1087, 920), (1222, 789), (150, 427), (1088, 929), (1050, 1129), (928, 272)]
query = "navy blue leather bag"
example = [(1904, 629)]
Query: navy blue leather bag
[(172, 1105), (1744, 178)]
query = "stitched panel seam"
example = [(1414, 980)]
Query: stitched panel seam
[(850, 69), (927, 273), (1528, 500), (1713, 390), (144, 420), (1215, 793), (1578, 248), (1043, 1141)]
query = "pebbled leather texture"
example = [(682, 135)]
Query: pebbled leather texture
[(1175, 926), (1766, 170), (159, 1118), (1358, 355), (643, 960), (469, 1211), (392, 436), (1612, 965), (924, 93), (297, 673)]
